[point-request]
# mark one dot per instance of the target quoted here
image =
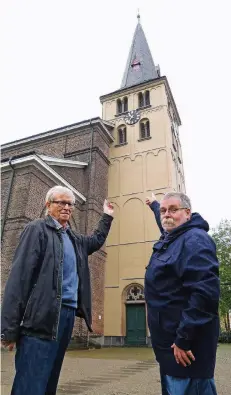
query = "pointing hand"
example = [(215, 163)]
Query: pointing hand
[(150, 200), (108, 208)]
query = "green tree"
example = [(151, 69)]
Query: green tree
[(222, 237)]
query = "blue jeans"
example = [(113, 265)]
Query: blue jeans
[(181, 386), (38, 362)]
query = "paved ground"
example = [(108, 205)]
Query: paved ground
[(113, 371)]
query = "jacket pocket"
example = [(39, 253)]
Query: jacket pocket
[(163, 257)]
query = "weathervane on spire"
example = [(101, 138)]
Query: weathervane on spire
[(138, 15)]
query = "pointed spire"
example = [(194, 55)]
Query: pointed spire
[(140, 66)]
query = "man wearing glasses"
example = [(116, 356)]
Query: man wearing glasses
[(48, 286), (182, 295)]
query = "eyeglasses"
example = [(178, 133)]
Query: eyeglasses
[(171, 210), (62, 203)]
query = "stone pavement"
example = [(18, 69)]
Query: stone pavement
[(115, 372)]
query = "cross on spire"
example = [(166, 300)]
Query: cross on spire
[(138, 15)]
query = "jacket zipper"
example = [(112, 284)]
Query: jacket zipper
[(28, 302), (60, 304), (55, 336)]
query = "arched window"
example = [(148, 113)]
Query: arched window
[(122, 134), (144, 129), (143, 99), (125, 104), (140, 99), (119, 106), (147, 98), (135, 293)]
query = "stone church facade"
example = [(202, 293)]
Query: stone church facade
[(133, 150)]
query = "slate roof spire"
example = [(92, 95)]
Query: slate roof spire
[(140, 66)]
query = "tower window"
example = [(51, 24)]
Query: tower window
[(122, 105), (125, 104), (141, 99), (144, 129), (122, 135), (147, 98), (119, 106)]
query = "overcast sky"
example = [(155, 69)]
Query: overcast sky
[(58, 57)]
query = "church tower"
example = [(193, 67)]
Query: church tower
[(145, 157)]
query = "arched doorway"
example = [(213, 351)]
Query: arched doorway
[(135, 316)]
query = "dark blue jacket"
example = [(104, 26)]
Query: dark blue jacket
[(182, 295)]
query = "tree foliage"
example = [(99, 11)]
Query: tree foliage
[(222, 237)]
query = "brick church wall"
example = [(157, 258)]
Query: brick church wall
[(26, 201)]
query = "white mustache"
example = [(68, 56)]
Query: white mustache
[(168, 221)]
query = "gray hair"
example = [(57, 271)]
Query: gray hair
[(59, 189), (184, 199)]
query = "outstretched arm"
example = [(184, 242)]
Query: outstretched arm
[(155, 207), (98, 238)]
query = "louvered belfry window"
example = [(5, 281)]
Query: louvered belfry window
[(143, 99), (119, 106), (125, 104), (122, 135), (147, 98), (144, 128), (140, 99)]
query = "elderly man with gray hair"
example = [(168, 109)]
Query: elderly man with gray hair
[(182, 295), (48, 286)]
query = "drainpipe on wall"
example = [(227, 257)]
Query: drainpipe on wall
[(89, 175), (8, 197)]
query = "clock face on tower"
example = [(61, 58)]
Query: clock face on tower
[(132, 117)]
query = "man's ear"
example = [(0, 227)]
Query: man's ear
[(189, 213)]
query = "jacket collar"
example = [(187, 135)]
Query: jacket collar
[(196, 221), (50, 221)]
